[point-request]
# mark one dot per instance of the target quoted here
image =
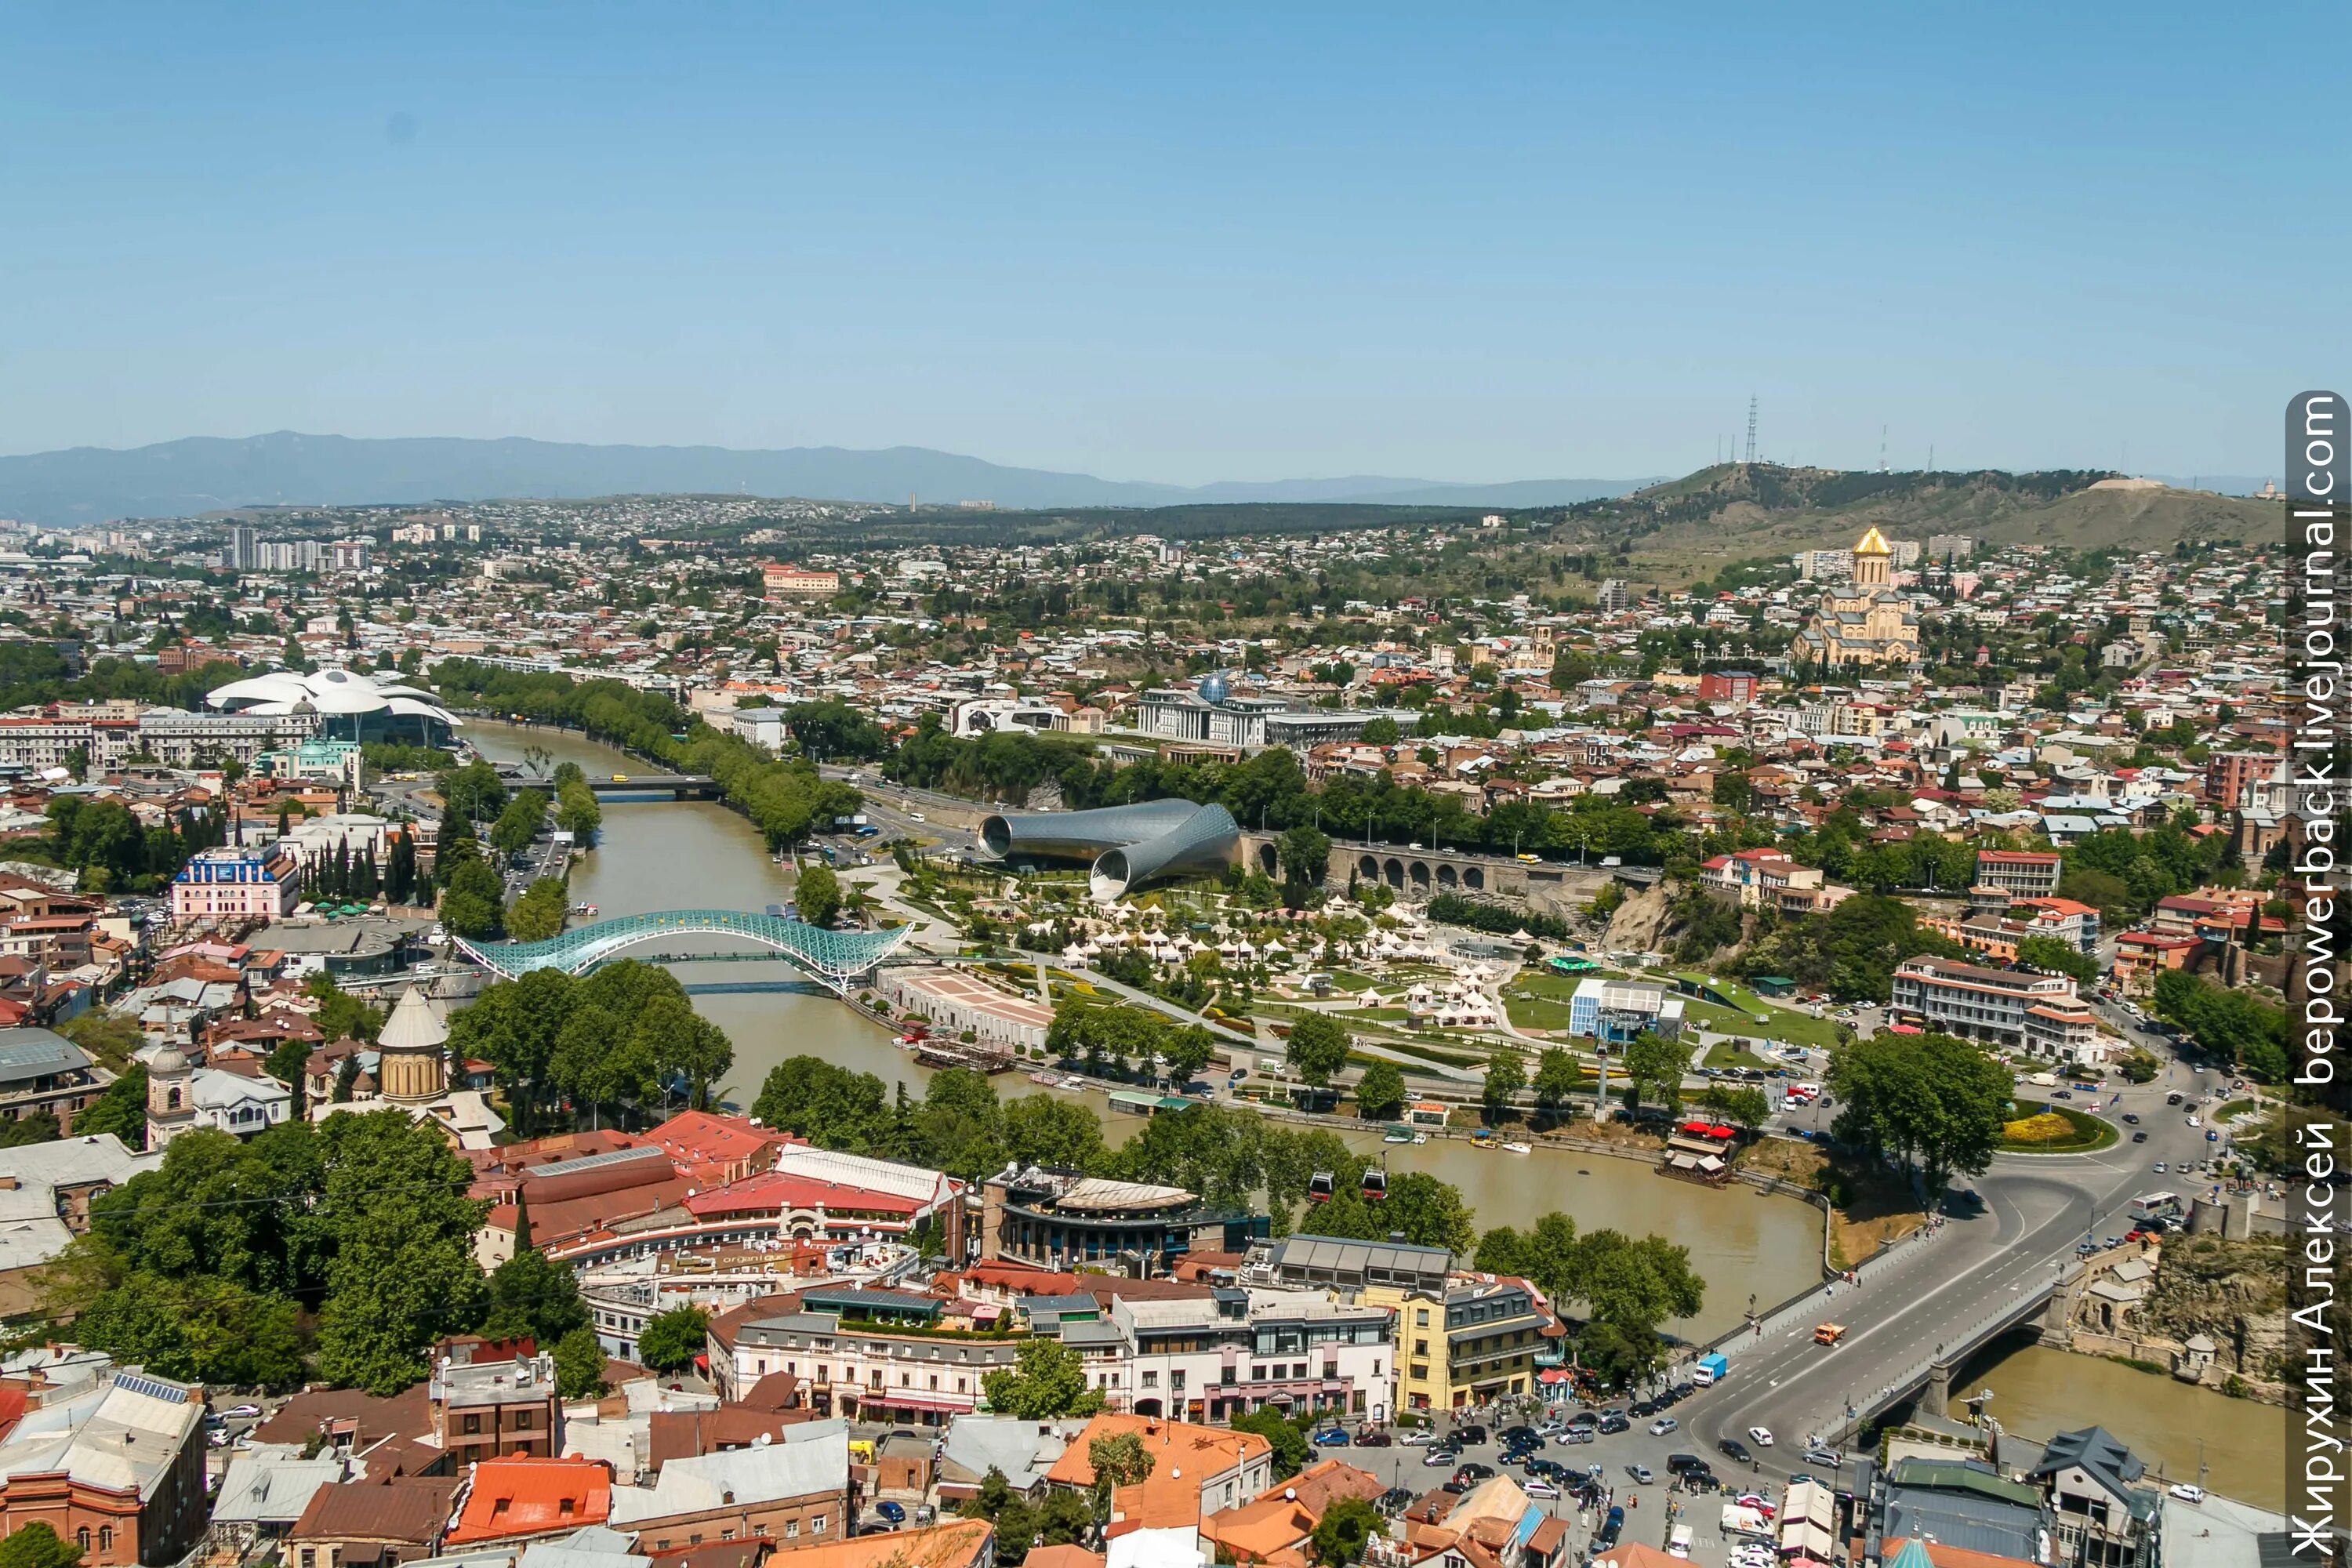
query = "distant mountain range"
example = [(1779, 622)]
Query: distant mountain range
[(207, 474)]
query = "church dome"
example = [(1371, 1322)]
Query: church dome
[(1874, 544)]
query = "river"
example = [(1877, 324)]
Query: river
[(667, 855), (2038, 1391)]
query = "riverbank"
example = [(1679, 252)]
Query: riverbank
[(2183, 1433), (654, 856)]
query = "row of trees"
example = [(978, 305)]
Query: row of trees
[(100, 840), (784, 799), (621, 1041)]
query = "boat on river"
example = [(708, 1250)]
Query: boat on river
[(1515, 1147)]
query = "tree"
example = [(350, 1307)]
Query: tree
[(579, 1365), (817, 891), (1506, 1075), (1559, 1076), (830, 1106), (1655, 1065), (122, 1110), (1120, 1460), (670, 1341), (393, 1203), (1318, 1048), (1426, 1211), (1343, 1530), (471, 900), (1187, 1051), (1380, 732), (2054, 955), (1305, 854), (1282, 1435), (36, 1545), (1041, 1129), (1045, 1382), (531, 1298), (1380, 1093), (2137, 1065), (1931, 1100), (1745, 1107), (541, 912)]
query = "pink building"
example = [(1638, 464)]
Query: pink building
[(231, 884)]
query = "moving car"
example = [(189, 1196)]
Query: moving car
[(1423, 1439), (1662, 1424), (1331, 1437), (2186, 1492), (1760, 1436), (1827, 1334), (1736, 1451), (1827, 1458), (1641, 1473)]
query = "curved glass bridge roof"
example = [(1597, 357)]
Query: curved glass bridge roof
[(836, 957)]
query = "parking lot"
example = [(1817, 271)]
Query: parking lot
[(1422, 1461)]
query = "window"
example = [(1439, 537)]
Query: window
[(473, 1424), (522, 1420), (792, 1531), (81, 1538), (105, 1538), (1150, 1379), (816, 1525)]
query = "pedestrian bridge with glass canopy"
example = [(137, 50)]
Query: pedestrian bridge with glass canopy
[(836, 958)]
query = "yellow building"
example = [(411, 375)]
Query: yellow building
[(1472, 1342), (1865, 622)]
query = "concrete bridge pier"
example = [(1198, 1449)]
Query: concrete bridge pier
[(1936, 1398)]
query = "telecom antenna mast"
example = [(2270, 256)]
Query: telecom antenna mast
[(1751, 428)]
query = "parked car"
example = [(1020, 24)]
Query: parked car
[(1421, 1439), (1474, 1471), (1827, 1458), (1640, 1473), (1331, 1437), (1470, 1436), (2186, 1492), (1538, 1487), (1615, 1423), (1373, 1437), (895, 1512)]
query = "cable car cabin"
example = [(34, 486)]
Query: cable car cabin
[(1376, 1183), (1319, 1188)]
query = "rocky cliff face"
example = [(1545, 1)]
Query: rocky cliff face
[(1640, 923), (2234, 1292)]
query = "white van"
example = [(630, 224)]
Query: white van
[(1678, 1544)]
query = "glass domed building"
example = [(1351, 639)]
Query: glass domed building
[(349, 707)]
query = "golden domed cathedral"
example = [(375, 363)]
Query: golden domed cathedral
[(1866, 622)]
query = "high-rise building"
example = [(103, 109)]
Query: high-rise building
[(1613, 597), (244, 548)]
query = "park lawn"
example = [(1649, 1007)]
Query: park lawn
[(1373, 1014), (1797, 1028), (1538, 981), (2222, 1113), (1727, 1053)]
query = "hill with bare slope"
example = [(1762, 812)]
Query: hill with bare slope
[(1761, 508)]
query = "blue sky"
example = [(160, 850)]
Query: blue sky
[(1181, 242)]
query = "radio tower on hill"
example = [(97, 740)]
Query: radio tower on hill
[(1751, 428)]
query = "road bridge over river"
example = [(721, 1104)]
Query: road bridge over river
[(1922, 1307)]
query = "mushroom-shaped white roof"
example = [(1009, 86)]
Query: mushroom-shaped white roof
[(326, 691)]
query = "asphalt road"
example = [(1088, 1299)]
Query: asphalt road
[(1928, 1292)]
